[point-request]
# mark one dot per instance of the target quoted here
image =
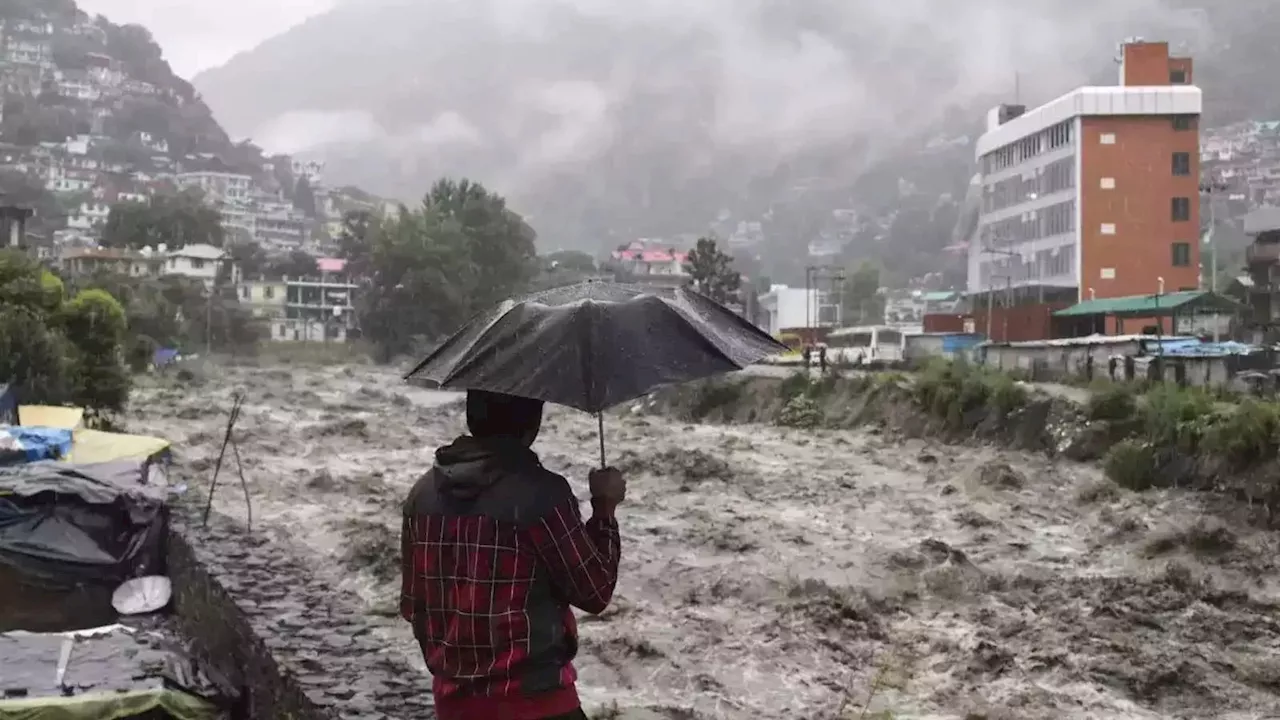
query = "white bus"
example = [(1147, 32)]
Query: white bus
[(867, 344)]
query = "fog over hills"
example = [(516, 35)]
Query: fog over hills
[(605, 120)]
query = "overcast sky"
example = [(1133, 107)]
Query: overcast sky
[(199, 34)]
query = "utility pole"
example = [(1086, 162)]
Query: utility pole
[(814, 278), (1213, 187), (991, 289)]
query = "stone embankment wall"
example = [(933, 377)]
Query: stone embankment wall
[(298, 650)]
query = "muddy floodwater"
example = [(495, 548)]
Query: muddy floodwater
[(773, 573)]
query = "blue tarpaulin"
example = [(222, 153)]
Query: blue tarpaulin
[(164, 356), (20, 444)]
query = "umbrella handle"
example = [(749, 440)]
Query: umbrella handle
[(600, 427)]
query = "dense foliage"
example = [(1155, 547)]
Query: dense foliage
[(431, 267), (712, 272), (176, 219), (55, 350)]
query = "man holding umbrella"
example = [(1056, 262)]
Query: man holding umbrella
[(495, 552)]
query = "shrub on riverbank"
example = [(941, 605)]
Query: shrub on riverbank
[(954, 392), (1177, 435)]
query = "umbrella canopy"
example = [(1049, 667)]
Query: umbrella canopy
[(593, 345)]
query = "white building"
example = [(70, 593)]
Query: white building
[(280, 226), (788, 308), (89, 216), (1069, 189), (28, 51), (232, 187), (312, 170), (78, 86), (198, 261)]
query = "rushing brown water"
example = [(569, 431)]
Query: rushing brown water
[(773, 573)]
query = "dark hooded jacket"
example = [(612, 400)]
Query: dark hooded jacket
[(495, 552)]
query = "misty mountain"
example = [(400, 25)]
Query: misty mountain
[(604, 121)]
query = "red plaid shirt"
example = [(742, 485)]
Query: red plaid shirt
[(466, 588)]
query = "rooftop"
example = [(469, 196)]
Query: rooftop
[(1152, 305), (1095, 101)]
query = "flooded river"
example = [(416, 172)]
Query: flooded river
[(773, 573)]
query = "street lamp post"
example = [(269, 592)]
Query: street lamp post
[(1159, 328)]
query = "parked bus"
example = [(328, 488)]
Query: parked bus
[(867, 344)]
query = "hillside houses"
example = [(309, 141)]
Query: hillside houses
[(1246, 157)]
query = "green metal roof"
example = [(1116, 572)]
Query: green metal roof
[(940, 296), (1151, 305)]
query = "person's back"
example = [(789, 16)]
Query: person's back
[(495, 552)]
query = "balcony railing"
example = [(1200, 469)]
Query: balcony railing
[(1262, 253)]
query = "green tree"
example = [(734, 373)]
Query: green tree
[(304, 197), (296, 264), (712, 272), (863, 301), (95, 324), (55, 351), (176, 220), (355, 242), (429, 268), (249, 257), (500, 244), (565, 267), (570, 261)]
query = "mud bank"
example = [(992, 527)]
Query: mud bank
[(297, 650), (807, 571), (1025, 419)]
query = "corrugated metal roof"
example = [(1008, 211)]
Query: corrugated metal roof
[(1138, 304), (940, 296)]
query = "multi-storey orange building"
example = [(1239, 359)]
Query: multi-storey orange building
[(1092, 195)]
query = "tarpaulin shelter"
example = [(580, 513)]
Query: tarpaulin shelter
[(21, 444), (109, 672), (94, 446), (69, 524), (68, 418)]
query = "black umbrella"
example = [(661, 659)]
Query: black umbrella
[(593, 345)]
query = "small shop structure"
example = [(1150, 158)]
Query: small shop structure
[(1158, 314)]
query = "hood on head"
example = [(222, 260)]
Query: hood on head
[(496, 416), (468, 466)]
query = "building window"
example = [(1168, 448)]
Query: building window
[(1181, 254), (197, 264), (1184, 122), (268, 292), (1178, 76), (1181, 209), (1181, 163)]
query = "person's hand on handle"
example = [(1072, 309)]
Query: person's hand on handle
[(608, 490)]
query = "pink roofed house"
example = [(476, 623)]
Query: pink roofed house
[(649, 263)]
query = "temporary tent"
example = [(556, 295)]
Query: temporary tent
[(72, 524), (110, 672), (20, 444), (68, 418), (94, 446)]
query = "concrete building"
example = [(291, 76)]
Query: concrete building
[(1092, 195), (1261, 284), (788, 308), (305, 309), (232, 187), (644, 261), (198, 261), (75, 261)]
